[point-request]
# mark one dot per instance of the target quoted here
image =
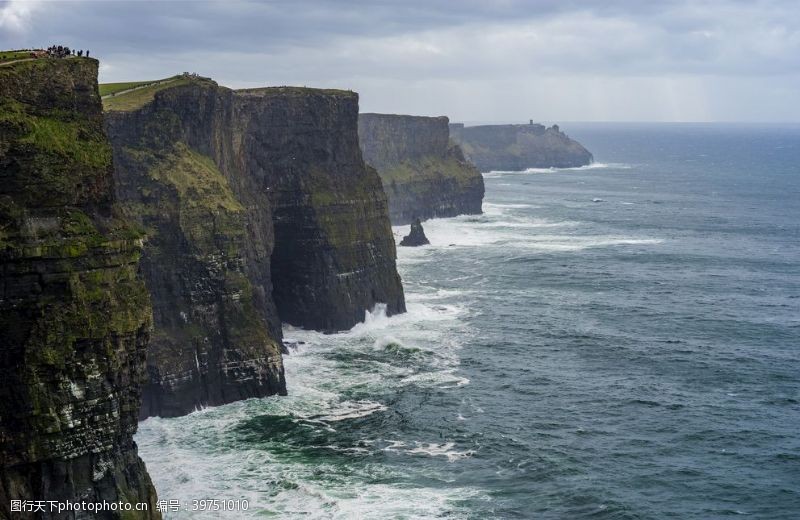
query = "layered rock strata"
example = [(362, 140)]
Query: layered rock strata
[(424, 174), (206, 260), (74, 317), (518, 147), (334, 255), (258, 208)]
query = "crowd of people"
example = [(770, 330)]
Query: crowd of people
[(61, 51)]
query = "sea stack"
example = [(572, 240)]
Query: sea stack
[(416, 237)]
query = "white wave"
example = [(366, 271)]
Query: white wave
[(529, 223), (555, 243), (437, 294), (593, 166), (195, 466), (441, 379), (205, 454), (512, 206), (429, 449), (520, 232), (376, 321), (496, 210), (441, 450), (353, 410)]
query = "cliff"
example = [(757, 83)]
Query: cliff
[(258, 209), (217, 338), (517, 147), (423, 173), (206, 261), (334, 255), (74, 318)]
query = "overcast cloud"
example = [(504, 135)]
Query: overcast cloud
[(490, 60)]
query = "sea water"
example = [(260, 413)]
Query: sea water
[(613, 341)]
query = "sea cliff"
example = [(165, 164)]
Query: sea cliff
[(424, 174), (334, 254), (517, 147), (259, 209), (206, 262), (74, 317)]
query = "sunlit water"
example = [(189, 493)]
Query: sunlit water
[(618, 341)]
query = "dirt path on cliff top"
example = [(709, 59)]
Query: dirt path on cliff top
[(5, 63), (16, 61), (163, 82)]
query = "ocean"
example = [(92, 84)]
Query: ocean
[(618, 341)]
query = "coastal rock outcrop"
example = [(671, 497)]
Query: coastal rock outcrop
[(517, 147), (416, 237), (74, 317), (423, 173), (259, 209), (334, 255), (217, 338)]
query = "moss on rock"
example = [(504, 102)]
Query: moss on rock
[(423, 173), (213, 342), (74, 317)]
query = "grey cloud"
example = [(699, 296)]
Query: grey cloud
[(414, 55)]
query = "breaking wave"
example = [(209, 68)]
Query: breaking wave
[(592, 166)]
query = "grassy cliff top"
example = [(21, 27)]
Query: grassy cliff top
[(296, 91), (110, 89), (6, 56), (127, 96), (132, 95), (19, 60), (402, 117)]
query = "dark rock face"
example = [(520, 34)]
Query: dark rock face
[(250, 199), (517, 147), (74, 317), (179, 173), (334, 255), (423, 173), (416, 237)]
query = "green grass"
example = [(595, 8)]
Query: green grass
[(197, 180), (429, 168), (14, 55), (304, 91), (107, 89), (141, 96), (66, 138)]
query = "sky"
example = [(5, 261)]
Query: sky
[(472, 60)]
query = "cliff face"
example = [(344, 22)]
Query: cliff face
[(74, 318), (517, 147), (217, 337), (334, 254), (258, 208), (423, 173)]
